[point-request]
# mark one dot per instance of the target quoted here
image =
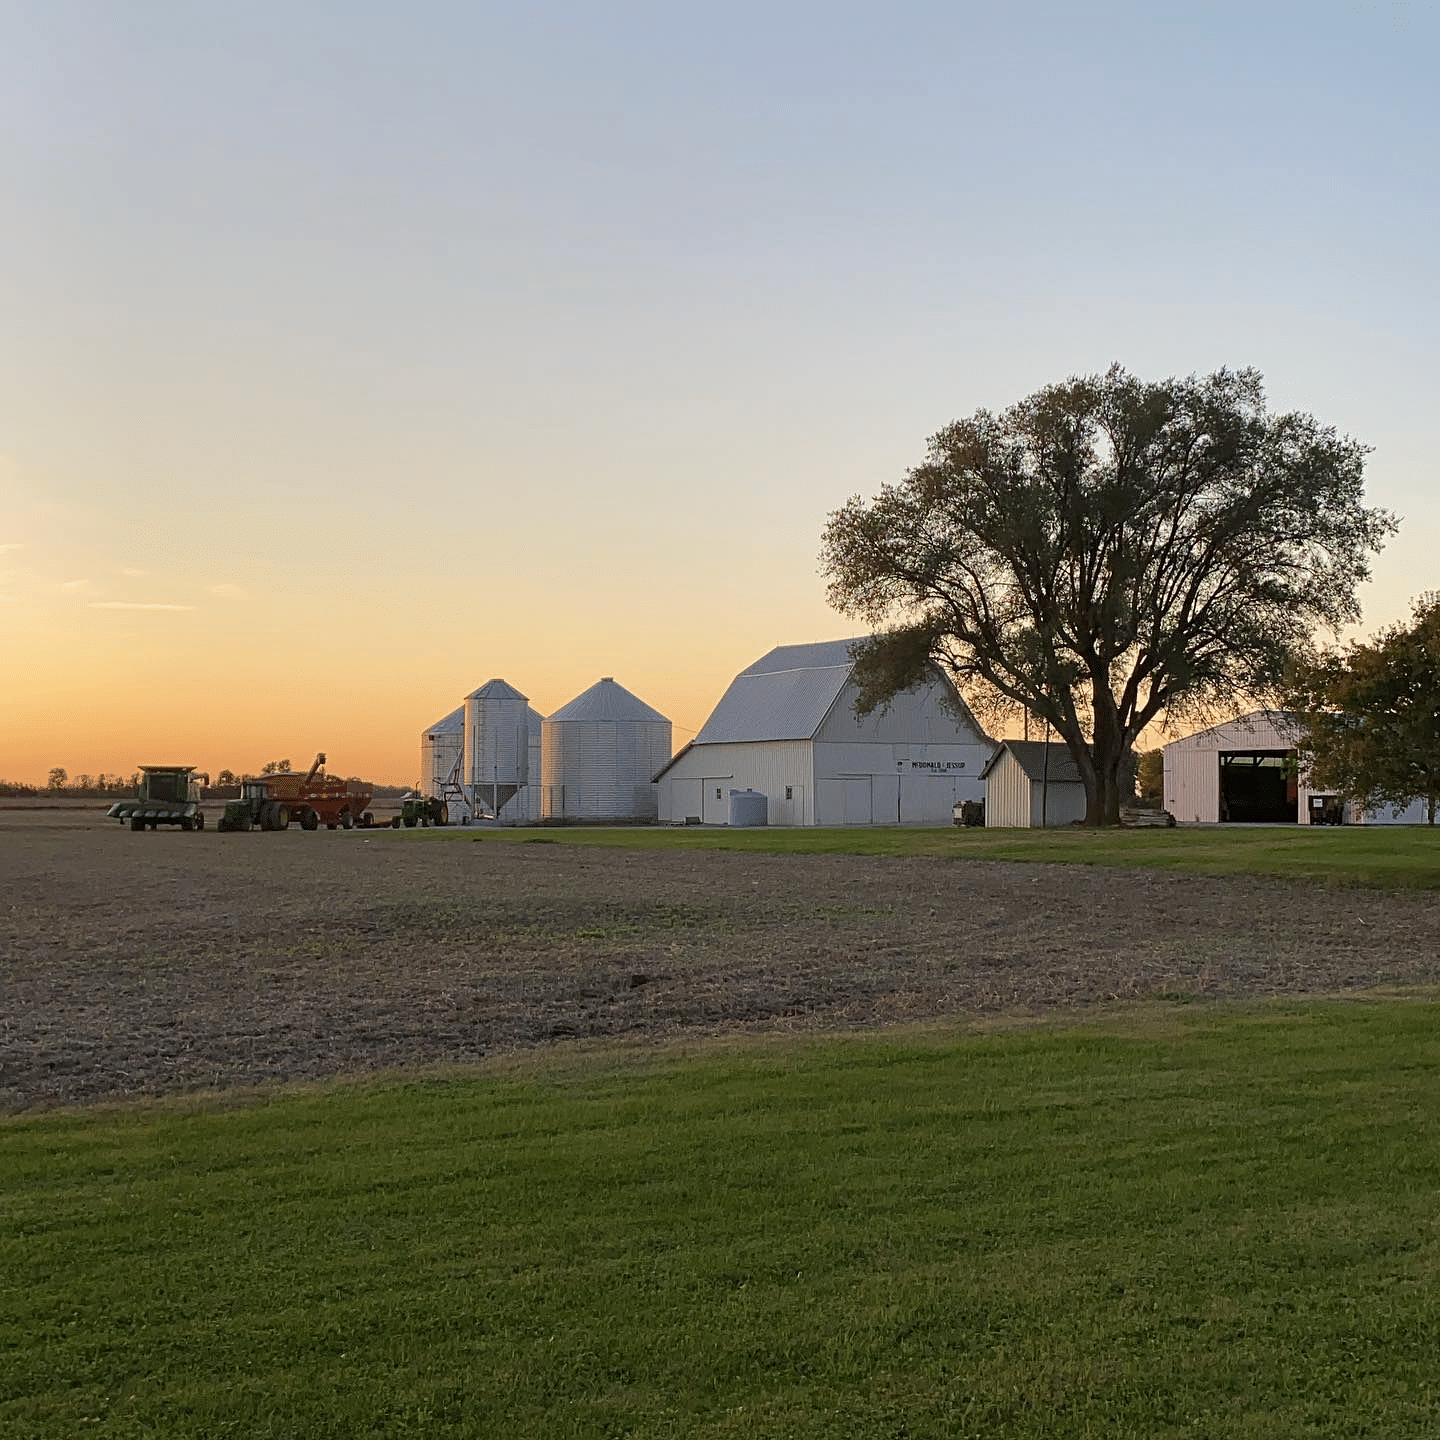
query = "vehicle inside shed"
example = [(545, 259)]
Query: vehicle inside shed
[(1259, 787)]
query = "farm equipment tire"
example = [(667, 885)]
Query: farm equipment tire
[(282, 817), (267, 815), (347, 820), (199, 822), (309, 820), (367, 821), (442, 815), (409, 822), (186, 823), (332, 824), (137, 824), (395, 822)]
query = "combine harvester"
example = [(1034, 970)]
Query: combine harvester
[(271, 802), (168, 795)]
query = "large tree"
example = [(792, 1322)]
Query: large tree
[(1370, 715), (1106, 552)]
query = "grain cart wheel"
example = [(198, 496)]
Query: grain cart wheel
[(332, 824), (309, 820), (347, 820), (136, 824), (394, 822), (367, 821)]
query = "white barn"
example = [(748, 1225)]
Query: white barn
[(787, 727), (1243, 771), (1032, 783)]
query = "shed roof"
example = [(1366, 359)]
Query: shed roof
[(607, 703), (1030, 756)]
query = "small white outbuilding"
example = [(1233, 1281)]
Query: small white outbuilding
[(786, 728), (1030, 784)]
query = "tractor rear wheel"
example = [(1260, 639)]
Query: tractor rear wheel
[(409, 822)]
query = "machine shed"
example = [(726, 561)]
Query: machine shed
[(786, 727), (1244, 771)]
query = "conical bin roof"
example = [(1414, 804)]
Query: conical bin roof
[(607, 703)]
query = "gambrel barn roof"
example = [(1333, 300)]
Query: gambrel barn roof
[(784, 695), (787, 694)]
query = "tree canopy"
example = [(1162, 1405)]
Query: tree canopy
[(1108, 551), (1370, 715)]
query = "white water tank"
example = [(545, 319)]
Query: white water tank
[(441, 747), (749, 807), (497, 745), (598, 754)]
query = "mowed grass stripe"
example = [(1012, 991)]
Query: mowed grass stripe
[(1383, 857), (1222, 1223)]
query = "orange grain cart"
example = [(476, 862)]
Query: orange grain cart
[(272, 802)]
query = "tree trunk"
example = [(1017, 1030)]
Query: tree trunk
[(1102, 788)]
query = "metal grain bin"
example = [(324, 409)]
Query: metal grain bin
[(497, 746), (598, 754), (441, 747)]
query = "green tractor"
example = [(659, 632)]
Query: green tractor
[(168, 795), (423, 810)]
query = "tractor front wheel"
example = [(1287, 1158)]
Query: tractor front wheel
[(282, 817), (199, 822), (137, 824)]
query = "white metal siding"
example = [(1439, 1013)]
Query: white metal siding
[(771, 766), (1007, 795), (1192, 784)]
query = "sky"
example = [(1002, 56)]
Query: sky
[(353, 353)]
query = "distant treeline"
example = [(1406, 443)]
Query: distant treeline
[(61, 786)]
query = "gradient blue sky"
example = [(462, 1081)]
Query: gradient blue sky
[(399, 346)]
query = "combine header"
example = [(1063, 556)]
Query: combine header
[(271, 802)]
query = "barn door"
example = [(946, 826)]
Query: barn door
[(858, 809)]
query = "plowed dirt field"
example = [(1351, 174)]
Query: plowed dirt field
[(153, 963)]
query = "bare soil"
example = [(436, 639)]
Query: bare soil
[(141, 964)]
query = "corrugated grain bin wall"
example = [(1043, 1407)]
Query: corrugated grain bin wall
[(598, 754), (497, 736), (440, 747)]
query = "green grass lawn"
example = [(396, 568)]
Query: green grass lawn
[(1207, 1222), (1388, 857)]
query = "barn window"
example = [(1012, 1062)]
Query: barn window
[(717, 792), (789, 793)]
